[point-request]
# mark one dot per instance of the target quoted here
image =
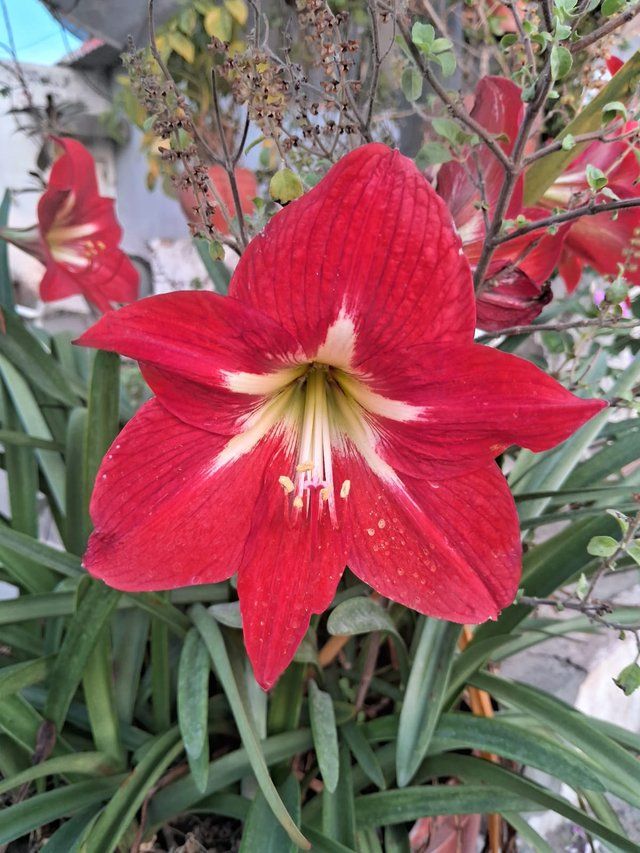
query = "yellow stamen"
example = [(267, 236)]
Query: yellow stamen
[(286, 484), (345, 488)]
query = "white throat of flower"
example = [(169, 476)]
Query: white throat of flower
[(318, 408)]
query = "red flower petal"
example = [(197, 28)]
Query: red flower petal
[(477, 402), (603, 242), (162, 518), (81, 234), (111, 279), (188, 342), (616, 159), (372, 240), (57, 284), (74, 171), (570, 269), (510, 298), (537, 254), (614, 64), (499, 109), (448, 549), (290, 570)]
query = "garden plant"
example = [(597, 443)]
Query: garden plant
[(270, 540)]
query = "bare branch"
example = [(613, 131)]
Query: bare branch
[(590, 209), (528, 49), (228, 161), (595, 135), (377, 63), (456, 109), (611, 25), (534, 106), (585, 323)]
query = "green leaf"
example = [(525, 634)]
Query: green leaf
[(621, 769), (411, 84), (389, 807), (130, 634), (611, 7), (363, 754), (285, 186), (466, 731), (160, 676), (216, 269), (633, 550), (78, 524), (447, 128), (262, 831), (475, 771), (508, 40), (29, 355), (227, 613), (359, 615), (325, 736), (83, 632), (22, 474), (67, 838), (612, 110), (83, 763), (117, 816), (98, 689), (544, 171), (470, 660), (60, 561), (431, 154), (424, 696), (422, 35), (102, 419), (596, 178), (628, 680), (447, 62), (35, 424), (182, 46), (561, 61), (219, 23), (15, 678), (214, 641), (582, 587), (38, 811), (6, 284), (193, 705), (338, 808), (527, 833), (181, 796), (602, 546)]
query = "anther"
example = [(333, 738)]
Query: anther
[(297, 502), (286, 484), (345, 488), (324, 494), (303, 467)]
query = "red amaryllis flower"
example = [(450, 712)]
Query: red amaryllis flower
[(77, 236), (515, 289), (247, 191), (603, 242), (332, 410)]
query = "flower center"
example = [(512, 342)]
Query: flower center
[(310, 487), (73, 244)]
